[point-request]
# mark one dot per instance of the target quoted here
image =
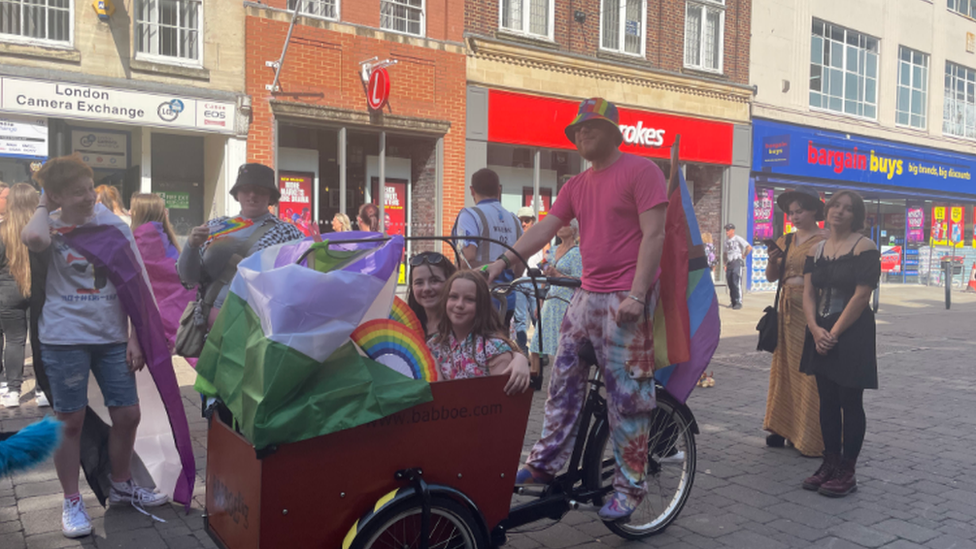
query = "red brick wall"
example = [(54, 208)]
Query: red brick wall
[(322, 68), (445, 18), (665, 32)]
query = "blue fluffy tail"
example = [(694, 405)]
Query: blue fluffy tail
[(30, 446)]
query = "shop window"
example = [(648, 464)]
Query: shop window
[(843, 70), (959, 111), (622, 26), (42, 21), (704, 32), (965, 7), (532, 17), (913, 75), (326, 9), (405, 16), (169, 30)]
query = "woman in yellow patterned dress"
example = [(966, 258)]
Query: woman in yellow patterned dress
[(792, 405)]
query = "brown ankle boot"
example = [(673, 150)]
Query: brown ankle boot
[(824, 473), (843, 482)]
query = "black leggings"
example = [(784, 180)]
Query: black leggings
[(834, 426)]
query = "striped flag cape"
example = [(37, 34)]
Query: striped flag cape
[(159, 256), (162, 443), (279, 354), (686, 320)]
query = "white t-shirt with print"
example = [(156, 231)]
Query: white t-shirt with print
[(82, 306)]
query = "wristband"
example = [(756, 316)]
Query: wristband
[(635, 298), (39, 206), (508, 262)]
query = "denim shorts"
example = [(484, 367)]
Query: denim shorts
[(67, 368)]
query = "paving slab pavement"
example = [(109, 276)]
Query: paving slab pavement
[(916, 473)]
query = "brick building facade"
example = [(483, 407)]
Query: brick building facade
[(675, 66), (317, 121)]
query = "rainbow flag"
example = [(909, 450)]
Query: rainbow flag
[(686, 320)]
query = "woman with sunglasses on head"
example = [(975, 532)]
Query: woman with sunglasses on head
[(840, 348), (428, 273)]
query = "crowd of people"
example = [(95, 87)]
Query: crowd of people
[(824, 360)]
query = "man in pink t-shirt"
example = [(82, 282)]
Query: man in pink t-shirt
[(620, 204)]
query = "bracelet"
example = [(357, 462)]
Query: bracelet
[(508, 262), (637, 299), (39, 206)]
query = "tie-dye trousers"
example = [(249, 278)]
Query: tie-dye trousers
[(626, 355)]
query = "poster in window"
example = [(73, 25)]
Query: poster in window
[(295, 204), (957, 225), (762, 209), (940, 226), (915, 226), (545, 201)]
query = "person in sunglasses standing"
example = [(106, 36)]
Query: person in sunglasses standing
[(487, 219), (613, 310)]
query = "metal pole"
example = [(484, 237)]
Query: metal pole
[(342, 170), (536, 176), (381, 187)]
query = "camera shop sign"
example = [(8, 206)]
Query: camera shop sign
[(66, 100)]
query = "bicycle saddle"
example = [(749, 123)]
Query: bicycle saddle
[(586, 353)]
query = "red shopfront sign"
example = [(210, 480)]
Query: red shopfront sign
[(535, 121)]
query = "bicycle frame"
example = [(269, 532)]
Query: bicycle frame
[(561, 494)]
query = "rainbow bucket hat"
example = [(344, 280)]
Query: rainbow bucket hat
[(595, 108)]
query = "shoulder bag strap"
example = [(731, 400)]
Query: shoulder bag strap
[(779, 286), (215, 287)]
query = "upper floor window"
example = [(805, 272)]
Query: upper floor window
[(704, 32), (843, 70), (622, 27), (959, 110), (169, 30), (36, 21), (527, 17), (965, 7), (328, 9), (405, 16), (913, 76)]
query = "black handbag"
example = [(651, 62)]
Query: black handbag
[(768, 325)]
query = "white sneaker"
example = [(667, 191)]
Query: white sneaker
[(10, 400), (75, 522), (128, 492), (3, 387), (42, 400)]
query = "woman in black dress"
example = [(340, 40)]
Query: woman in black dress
[(840, 274)]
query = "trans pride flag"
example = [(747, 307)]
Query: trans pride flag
[(686, 321)]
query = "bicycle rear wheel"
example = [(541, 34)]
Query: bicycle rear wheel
[(671, 464)]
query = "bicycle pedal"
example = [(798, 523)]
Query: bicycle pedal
[(531, 491), (584, 507)]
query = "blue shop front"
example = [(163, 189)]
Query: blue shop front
[(921, 202)]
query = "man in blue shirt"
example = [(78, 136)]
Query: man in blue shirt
[(490, 220)]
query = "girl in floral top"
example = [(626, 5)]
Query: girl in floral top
[(470, 340)]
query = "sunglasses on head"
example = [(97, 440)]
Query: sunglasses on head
[(431, 258)]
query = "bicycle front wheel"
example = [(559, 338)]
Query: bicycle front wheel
[(452, 526), (671, 459)]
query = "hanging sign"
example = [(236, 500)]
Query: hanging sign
[(762, 227), (915, 225), (23, 137), (957, 225), (378, 89), (101, 149), (940, 226), (295, 204)]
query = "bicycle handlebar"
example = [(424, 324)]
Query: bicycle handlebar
[(508, 287)]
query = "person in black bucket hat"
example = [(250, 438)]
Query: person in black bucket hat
[(808, 198), (214, 249)]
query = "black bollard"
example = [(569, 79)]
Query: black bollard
[(947, 278)]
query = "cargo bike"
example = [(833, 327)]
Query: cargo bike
[(437, 475)]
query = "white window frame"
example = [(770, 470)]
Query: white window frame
[(338, 9), (423, 16), (971, 91), (955, 5), (527, 21), (844, 72), (623, 27), (912, 87), (168, 59), (705, 5), (47, 42)]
